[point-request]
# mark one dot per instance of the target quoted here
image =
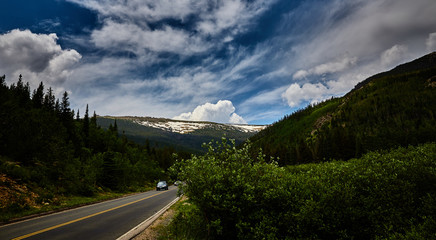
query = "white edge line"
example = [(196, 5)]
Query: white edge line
[(142, 226)]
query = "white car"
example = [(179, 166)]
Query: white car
[(161, 185)]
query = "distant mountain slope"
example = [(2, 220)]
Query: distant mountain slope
[(182, 135), (393, 108)]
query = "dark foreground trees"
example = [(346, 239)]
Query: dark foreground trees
[(43, 146)]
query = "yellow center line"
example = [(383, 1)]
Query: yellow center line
[(82, 218)]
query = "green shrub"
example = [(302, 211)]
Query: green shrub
[(381, 195)]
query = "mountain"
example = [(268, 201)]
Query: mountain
[(394, 108), (182, 135)]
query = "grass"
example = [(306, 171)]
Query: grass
[(59, 203), (186, 223)]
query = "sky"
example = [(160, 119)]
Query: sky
[(228, 61)]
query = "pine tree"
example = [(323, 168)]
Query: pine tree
[(50, 99), (86, 126), (57, 107), (94, 120), (38, 96), (65, 106), (116, 127), (22, 91)]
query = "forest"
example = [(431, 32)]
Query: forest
[(47, 151)]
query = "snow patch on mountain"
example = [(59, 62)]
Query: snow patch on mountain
[(178, 127), (249, 128), (184, 127)]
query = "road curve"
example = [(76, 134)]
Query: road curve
[(105, 220)]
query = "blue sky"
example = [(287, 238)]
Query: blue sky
[(239, 61)]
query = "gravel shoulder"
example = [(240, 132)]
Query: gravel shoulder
[(152, 232)]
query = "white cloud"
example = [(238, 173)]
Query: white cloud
[(393, 55), (330, 67), (148, 10), (223, 112), (265, 98), (300, 74), (431, 42), (126, 24), (295, 94), (367, 28), (36, 56), (131, 37)]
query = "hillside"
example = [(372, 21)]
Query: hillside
[(394, 108), (182, 135)]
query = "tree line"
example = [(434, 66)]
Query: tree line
[(46, 145)]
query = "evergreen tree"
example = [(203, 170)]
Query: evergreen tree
[(58, 107), (94, 120), (86, 126), (38, 96), (116, 127), (50, 99), (22, 92), (65, 106)]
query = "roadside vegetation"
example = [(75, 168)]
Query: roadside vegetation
[(382, 195)]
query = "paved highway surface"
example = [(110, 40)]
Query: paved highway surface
[(105, 220)]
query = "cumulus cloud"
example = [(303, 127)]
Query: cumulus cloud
[(393, 55), (36, 56), (295, 94), (223, 112)]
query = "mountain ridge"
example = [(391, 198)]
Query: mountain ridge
[(185, 124), (180, 134)]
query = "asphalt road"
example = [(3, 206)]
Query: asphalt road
[(105, 220)]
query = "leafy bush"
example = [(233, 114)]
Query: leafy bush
[(236, 194), (382, 195)]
